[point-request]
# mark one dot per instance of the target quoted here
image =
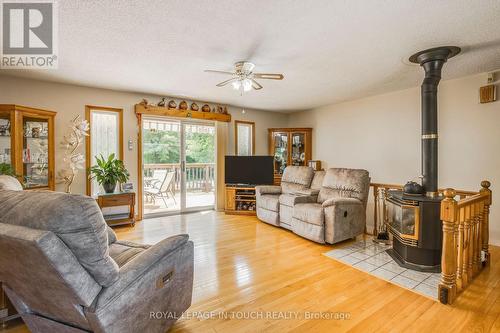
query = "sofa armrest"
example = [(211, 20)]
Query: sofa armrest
[(344, 218), (295, 198), (341, 201), (308, 192), (267, 189), (157, 256)]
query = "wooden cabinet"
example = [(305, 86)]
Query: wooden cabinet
[(230, 198), (240, 200), (289, 146), (115, 200), (27, 145)]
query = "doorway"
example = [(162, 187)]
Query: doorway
[(178, 166)]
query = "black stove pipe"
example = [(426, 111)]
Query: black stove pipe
[(432, 62)]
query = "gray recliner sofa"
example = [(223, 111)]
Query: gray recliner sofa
[(339, 212), (65, 271), (271, 199)]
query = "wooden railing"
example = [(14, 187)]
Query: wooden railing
[(465, 234), (465, 240), (199, 176)]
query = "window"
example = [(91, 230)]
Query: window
[(105, 138), (244, 135)]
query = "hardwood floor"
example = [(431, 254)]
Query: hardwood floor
[(244, 267)]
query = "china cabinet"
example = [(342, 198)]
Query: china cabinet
[(27, 145), (289, 146)]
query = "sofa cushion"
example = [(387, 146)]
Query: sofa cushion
[(317, 180), (269, 202), (111, 235), (124, 251), (75, 219), (296, 178), (309, 212), (345, 183), (10, 183)]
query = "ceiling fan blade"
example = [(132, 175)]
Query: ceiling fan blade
[(218, 72), (223, 83), (268, 76), (256, 85)]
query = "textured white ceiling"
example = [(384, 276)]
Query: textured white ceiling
[(328, 50)]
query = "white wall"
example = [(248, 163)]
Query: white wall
[(382, 134), (70, 100)]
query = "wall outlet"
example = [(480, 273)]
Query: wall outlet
[(130, 144)]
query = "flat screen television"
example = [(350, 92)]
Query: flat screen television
[(249, 170)]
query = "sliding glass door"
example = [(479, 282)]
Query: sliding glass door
[(178, 166), (199, 144)]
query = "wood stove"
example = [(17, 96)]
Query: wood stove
[(414, 220), (416, 231)]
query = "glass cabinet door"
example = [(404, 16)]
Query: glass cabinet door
[(6, 144), (280, 151), (298, 149), (35, 154)]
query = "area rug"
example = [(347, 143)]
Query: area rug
[(370, 257)]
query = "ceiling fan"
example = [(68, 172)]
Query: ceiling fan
[(243, 77)]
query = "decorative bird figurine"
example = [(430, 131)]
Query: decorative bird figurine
[(162, 102)]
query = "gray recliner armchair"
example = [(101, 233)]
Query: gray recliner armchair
[(339, 212), (65, 271), (271, 199)]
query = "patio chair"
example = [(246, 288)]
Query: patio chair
[(158, 177), (164, 191), (154, 182)]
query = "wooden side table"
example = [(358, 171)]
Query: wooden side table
[(118, 199)]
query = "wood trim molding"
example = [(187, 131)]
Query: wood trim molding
[(88, 139), (140, 208), (236, 122), (162, 111), (290, 129), (36, 111)]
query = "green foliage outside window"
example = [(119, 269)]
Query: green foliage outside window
[(163, 147)]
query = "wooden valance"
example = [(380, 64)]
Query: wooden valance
[(163, 111)]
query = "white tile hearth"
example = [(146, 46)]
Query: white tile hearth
[(371, 258), (364, 266)]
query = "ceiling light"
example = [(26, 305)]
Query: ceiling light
[(236, 85), (247, 85)]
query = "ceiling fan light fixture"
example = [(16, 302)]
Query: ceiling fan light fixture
[(243, 77), (247, 85), (236, 85)]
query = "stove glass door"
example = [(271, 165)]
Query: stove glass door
[(403, 219)]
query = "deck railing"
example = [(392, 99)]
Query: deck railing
[(199, 176), (465, 234)]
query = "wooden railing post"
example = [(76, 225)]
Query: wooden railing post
[(447, 286), (207, 179), (375, 211), (485, 189), (460, 246)]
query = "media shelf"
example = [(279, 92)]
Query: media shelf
[(240, 200)]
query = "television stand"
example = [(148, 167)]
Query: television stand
[(240, 199)]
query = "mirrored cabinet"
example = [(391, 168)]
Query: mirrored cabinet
[(27, 145), (289, 146)]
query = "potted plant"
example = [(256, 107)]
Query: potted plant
[(109, 172)]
